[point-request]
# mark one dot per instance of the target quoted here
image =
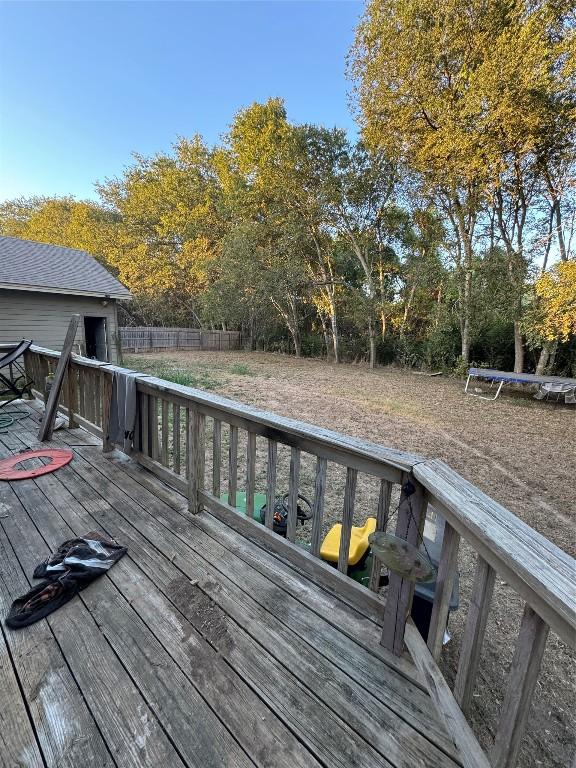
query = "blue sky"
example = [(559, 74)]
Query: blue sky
[(83, 84)]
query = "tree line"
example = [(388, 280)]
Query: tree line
[(442, 236)]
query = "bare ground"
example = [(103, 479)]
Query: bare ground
[(520, 451)]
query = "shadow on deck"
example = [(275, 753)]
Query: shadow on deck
[(199, 648)]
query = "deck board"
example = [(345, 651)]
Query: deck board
[(221, 658)]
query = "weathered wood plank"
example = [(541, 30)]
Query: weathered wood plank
[(271, 470), (411, 518), (293, 490), (18, 744), (197, 458), (106, 395), (537, 569), (250, 473), (347, 518), (471, 753), (216, 456), (64, 726), (522, 681), (473, 637), (71, 394), (243, 713), (382, 515), (319, 490), (169, 532), (233, 465), (45, 432), (153, 428), (165, 432), (447, 569), (127, 724), (176, 458)]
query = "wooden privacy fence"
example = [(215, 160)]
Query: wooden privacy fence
[(191, 440), (144, 339)]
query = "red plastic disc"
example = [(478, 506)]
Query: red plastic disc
[(59, 457)]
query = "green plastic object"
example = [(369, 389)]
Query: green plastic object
[(259, 502)]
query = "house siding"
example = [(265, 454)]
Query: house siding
[(44, 318)]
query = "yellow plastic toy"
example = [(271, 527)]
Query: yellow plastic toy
[(358, 542)]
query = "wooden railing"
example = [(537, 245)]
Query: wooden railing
[(183, 435)]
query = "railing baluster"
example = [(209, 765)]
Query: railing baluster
[(176, 438), (410, 525), (216, 456), (271, 483), (153, 416), (381, 525), (165, 432), (521, 684), (444, 581), (474, 631), (197, 458), (233, 465), (293, 487), (72, 395), (319, 489), (145, 425), (106, 394), (347, 517), (250, 473)]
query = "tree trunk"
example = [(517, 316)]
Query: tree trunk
[(546, 352), (518, 348), (335, 338), (372, 338), (325, 334)]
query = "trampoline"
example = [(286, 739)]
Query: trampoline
[(568, 386)]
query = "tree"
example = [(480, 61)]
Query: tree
[(474, 98)]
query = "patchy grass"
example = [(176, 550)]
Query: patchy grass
[(241, 369), (196, 376)]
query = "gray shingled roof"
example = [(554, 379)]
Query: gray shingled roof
[(30, 266)]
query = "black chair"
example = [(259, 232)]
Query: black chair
[(16, 383)]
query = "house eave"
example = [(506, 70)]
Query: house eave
[(65, 291)]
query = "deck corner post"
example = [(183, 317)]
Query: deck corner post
[(410, 525)]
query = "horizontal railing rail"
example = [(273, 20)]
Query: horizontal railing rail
[(191, 439)]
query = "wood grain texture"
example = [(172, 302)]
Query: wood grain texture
[(347, 518), (271, 470), (317, 520), (410, 524), (293, 490), (447, 570), (250, 473), (535, 567), (165, 432), (176, 457), (212, 566), (47, 425), (106, 396), (382, 515), (233, 466), (522, 680), (197, 460), (216, 456), (474, 631), (471, 753)]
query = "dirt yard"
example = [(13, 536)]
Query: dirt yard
[(520, 451)]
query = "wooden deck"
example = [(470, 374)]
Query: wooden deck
[(199, 648)]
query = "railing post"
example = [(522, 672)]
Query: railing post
[(410, 525), (446, 572)]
